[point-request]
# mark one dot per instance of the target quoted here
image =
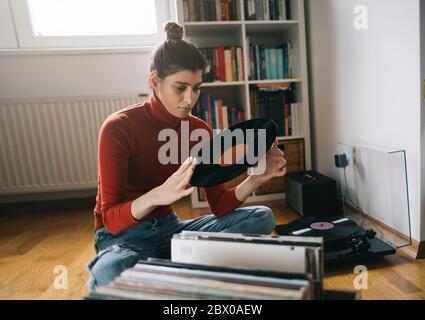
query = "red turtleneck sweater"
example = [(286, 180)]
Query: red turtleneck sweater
[(129, 165)]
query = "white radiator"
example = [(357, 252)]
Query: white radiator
[(50, 144)]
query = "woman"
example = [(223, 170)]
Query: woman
[(133, 215)]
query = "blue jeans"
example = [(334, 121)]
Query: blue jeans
[(152, 238)]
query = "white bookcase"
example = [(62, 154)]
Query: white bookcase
[(270, 33)]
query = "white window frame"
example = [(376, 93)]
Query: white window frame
[(27, 39)]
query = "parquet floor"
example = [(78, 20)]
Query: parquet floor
[(32, 244)]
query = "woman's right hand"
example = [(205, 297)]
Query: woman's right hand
[(177, 185)]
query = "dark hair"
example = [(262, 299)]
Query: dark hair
[(176, 54)]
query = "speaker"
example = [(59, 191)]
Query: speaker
[(311, 194)]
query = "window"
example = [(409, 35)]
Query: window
[(92, 18), (7, 32), (89, 23)]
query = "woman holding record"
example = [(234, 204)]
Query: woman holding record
[(133, 214)]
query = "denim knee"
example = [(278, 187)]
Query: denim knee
[(108, 264), (265, 219)]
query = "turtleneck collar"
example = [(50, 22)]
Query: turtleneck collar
[(160, 114)]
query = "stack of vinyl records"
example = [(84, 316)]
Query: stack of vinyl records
[(225, 266), (157, 279)]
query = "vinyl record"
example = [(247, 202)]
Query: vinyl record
[(330, 228), (217, 169)]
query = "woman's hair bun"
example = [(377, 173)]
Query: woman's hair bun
[(173, 30)]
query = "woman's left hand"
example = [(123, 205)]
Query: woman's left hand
[(275, 165)]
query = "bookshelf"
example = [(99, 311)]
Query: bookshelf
[(235, 29)]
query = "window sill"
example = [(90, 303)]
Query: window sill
[(74, 51)]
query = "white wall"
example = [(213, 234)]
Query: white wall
[(73, 74), (365, 84)]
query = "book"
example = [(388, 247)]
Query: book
[(214, 111), (267, 9), (272, 101), (225, 117), (227, 64), (295, 119), (209, 10)]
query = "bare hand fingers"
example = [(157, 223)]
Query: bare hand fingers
[(278, 163), (188, 175), (277, 153), (281, 153), (282, 172), (186, 164), (188, 191)]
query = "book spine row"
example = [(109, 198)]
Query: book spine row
[(278, 106), (267, 10), (209, 10), (271, 63), (214, 112), (227, 64)]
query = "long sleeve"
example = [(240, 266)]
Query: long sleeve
[(114, 151), (222, 201)]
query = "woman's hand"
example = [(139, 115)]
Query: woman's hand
[(177, 185), (275, 165), (271, 165)]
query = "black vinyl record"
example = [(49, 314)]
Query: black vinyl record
[(330, 228), (216, 171)]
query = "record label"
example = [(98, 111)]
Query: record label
[(322, 226), (233, 155)]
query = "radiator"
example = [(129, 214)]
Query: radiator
[(50, 144)]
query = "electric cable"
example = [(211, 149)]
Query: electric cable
[(358, 208)]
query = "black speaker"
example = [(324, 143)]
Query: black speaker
[(311, 194)]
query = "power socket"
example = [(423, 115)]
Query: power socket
[(346, 157), (350, 153), (341, 160)]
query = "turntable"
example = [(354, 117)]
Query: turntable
[(375, 202), (344, 239)]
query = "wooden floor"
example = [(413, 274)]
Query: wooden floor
[(32, 244)]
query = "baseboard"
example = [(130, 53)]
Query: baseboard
[(46, 196), (421, 250), (48, 202)]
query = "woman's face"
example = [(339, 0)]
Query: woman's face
[(178, 92)]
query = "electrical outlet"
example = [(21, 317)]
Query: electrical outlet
[(349, 152)]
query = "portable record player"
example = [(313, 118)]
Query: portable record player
[(376, 215)]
